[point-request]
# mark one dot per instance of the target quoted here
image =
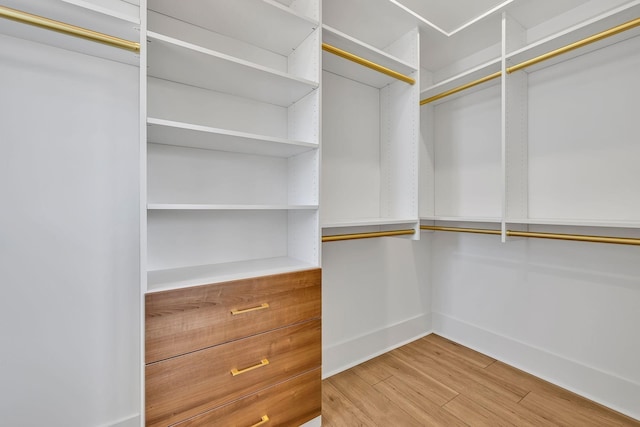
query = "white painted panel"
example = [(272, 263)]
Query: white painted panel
[(574, 301), (304, 237), (304, 118), (304, 61), (399, 133), (190, 175), (69, 239), (350, 149), (189, 238), (372, 288), (583, 136), (182, 103), (468, 155), (303, 184), (426, 162)]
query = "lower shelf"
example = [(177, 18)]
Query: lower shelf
[(161, 280)]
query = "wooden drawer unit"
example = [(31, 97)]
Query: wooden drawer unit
[(290, 403), (188, 385), (184, 320)]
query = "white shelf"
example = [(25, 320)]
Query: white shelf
[(222, 207), (576, 222), (461, 219), (578, 32), (84, 15), (353, 71), (263, 23), (468, 76), (181, 134), (182, 62), (362, 222), (161, 280)]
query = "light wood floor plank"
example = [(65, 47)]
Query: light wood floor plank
[(466, 353), (415, 403), (436, 382), (373, 371), (379, 407), (473, 414), (338, 411)]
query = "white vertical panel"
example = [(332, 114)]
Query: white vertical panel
[(69, 239), (426, 159), (303, 179), (304, 119), (303, 238), (467, 153), (350, 149), (310, 8), (304, 61), (583, 136), (399, 133)]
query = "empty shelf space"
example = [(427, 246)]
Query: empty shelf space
[(263, 23), (576, 222), (181, 134), (182, 62), (461, 219), (160, 280)]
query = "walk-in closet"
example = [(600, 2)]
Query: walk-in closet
[(319, 212)]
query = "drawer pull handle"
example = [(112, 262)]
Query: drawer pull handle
[(263, 362), (247, 310), (265, 419)]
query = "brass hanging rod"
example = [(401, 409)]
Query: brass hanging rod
[(552, 54), (555, 236), (462, 87), (339, 237), (68, 29), (459, 229), (365, 62)]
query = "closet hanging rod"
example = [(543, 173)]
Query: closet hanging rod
[(365, 62), (339, 237), (462, 87), (68, 29), (552, 54), (460, 229), (555, 236), (576, 45)]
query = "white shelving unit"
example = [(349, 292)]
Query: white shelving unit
[(233, 139), (526, 144), (115, 18), (370, 128)]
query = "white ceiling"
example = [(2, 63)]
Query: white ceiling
[(450, 16)]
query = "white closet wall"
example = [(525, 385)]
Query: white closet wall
[(69, 239), (547, 149)]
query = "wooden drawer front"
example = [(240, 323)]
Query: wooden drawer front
[(188, 385), (184, 320), (290, 403)]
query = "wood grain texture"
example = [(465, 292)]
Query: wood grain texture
[(437, 382), (290, 403), (188, 385), (185, 320)]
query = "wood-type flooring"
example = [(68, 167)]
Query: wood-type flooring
[(436, 382)]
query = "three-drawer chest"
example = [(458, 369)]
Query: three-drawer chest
[(239, 353)]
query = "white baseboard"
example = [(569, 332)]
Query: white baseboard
[(605, 388), (347, 354), (132, 421)]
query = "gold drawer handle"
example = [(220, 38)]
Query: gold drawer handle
[(263, 362), (265, 419), (247, 310)]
